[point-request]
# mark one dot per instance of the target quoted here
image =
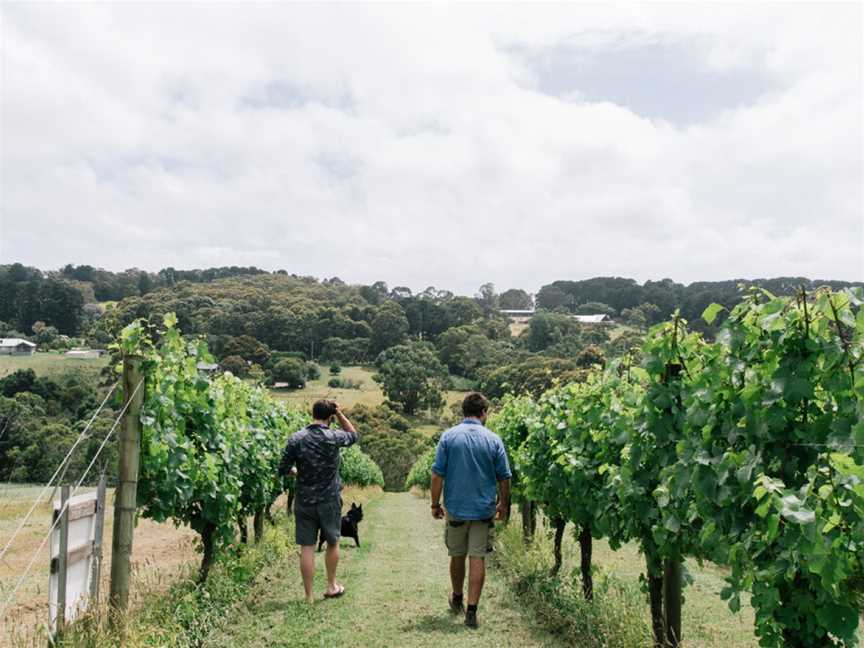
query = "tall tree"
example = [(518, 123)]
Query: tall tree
[(412, 376), (389, 327), (515, 299)]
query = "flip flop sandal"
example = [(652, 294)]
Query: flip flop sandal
[(335, 594)]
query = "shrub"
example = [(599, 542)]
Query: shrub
[(335, 369), (313, 372), (235, 364), (420, 474), (291, 371), (358, 469), (335, 383), (388, 440)]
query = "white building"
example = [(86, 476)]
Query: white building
[(16, 346), (85, 354), (593, 319)]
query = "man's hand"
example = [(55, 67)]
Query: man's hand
[(438, 512), (344, 423), (501, 511)]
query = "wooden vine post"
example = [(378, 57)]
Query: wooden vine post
[(125, 497)]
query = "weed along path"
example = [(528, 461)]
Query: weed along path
[(396, 594)]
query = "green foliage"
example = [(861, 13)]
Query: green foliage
[(210, 448), (358, 469), (512, 421), (420, 475), (387, 438), (344, 383), (349, 352), (773, 453), (467, 349), (40, 419), (291, 371), (248, 348), (313, 371), (335, 369), (748, 451), (613, 619), (515, 299), (528, 375), (546, 329), (412, 376), (389, 327), (235, 364)]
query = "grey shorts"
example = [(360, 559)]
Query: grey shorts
[(309, 519)]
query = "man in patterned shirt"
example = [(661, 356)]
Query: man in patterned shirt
[(314, 450)]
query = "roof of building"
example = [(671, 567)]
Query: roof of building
[(15, 342), (592, 319), (207, 366), (509, 311)]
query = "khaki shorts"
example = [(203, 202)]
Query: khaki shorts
[(469, 537)]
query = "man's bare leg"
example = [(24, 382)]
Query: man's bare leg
[(457, 574), (476, 578), (307, 570), (331, 559)]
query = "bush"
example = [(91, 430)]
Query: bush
[(235, 364), (420, 474), (358, 469), (344, 383), (291, 371), (313, 372), (388, 440), (335, 369)]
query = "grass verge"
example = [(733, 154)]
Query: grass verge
[(614, 619), (189, 613)]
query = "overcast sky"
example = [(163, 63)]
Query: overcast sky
[(435, 145)]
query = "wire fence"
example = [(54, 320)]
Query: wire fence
[(10, 598)]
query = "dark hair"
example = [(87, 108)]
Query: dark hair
[(323, 410), (475, 404)]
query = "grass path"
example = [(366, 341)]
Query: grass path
[(397, 585)]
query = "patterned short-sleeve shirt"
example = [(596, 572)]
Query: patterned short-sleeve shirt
[(315, 452)]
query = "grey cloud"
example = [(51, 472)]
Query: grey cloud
[(410, 145), (658, 80)]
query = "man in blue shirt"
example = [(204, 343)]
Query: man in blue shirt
[(470, 465)]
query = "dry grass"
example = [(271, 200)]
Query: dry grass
[(160, 552), (369, 393), (51, 364)]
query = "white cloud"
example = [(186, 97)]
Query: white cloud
[(411, 144)]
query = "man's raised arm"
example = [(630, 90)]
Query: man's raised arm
[(344, 423)]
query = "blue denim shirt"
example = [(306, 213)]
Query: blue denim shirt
[(472, 461)]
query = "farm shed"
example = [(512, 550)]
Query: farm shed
[(85, 354), (593, 319), (16, 346)]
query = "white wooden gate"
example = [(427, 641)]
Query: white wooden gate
[(76, 555)]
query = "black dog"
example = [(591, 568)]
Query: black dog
[(349, 525)]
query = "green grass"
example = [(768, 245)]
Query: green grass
[(707, 621), (397, 585), (51, 364)]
